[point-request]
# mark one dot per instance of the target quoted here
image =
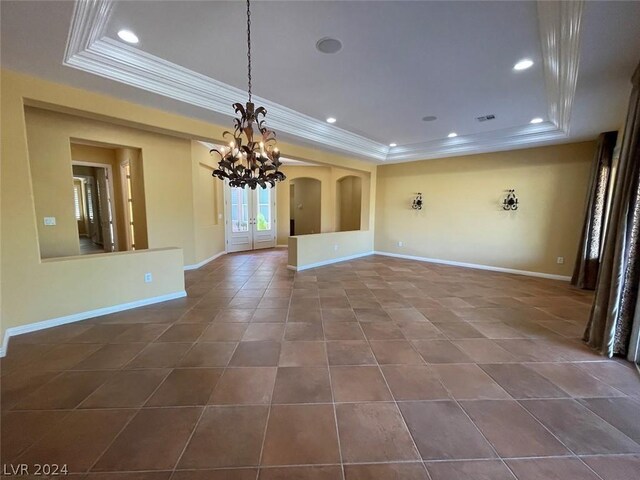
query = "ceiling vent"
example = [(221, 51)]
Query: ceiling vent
[(485, 118)]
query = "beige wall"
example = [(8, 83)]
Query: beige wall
[(34, 290), (208, 205), (462, 219), (306, 204), (306, 251), (349, 203)]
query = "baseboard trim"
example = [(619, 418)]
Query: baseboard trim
[(476, 266), (204, 262), (282, 246), (76, 317), (329, 262)]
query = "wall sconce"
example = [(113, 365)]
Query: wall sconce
[(417, 202), (510, 201)]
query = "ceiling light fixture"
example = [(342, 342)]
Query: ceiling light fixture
[(393, 145), (452, 135), (328, 45), (331, 120), (128, 36), (537, 120), (257, 162), (523, 64)]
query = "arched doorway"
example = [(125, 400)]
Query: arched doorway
[(304, 206)]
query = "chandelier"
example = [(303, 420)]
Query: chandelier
[(254, 160)]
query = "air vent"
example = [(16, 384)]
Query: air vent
[(485, 118)]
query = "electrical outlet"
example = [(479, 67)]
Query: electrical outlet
[(401, 244), (148, 278), (49, 221), (560, 260), (335, 248)]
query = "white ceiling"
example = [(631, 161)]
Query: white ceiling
[(400, 61)]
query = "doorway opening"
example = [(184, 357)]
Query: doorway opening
[(109, 197), (93, 205), (250, 218), (305, 206)]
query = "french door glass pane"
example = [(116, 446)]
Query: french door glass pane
[(239, 210), (263, 221)]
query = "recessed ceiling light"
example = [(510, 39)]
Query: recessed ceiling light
[(537, 120), (452, 134), (128, 36), (429, 118), (393, 144), (523, 64), (329, 45), (331, 120)]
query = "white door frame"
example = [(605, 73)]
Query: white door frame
[(252, 203), (127, 206), (111, 197)]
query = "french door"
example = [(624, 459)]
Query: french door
[(250, 218)]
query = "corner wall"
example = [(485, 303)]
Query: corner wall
[(462, 219)]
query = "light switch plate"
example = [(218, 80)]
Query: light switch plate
[(49, 221)]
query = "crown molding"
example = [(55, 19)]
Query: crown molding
[(89, 21), (492, 141), (560, 25), (89, 50)]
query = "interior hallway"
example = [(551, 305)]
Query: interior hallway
[(383, 366)]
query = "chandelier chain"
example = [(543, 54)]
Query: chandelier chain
[(252, 158), (249, 46)]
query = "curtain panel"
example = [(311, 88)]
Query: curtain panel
[(614, 313), (585, 273)]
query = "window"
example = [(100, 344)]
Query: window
[(77, 199), (263, 220), (239, 210), (89, 201)]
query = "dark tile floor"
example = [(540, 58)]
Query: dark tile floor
[(376, 368)]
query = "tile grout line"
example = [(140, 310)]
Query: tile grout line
[(266, 424), (398, 410), (171, 370), (575, 455), (123, 368), (204, 407), (333, 400), (454, 399)]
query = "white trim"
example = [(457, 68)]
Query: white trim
[(493, 141), (329, 262), (476, 266), (282, 246), (195, 266), (89, 50), (559, 29), (76, 317)]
